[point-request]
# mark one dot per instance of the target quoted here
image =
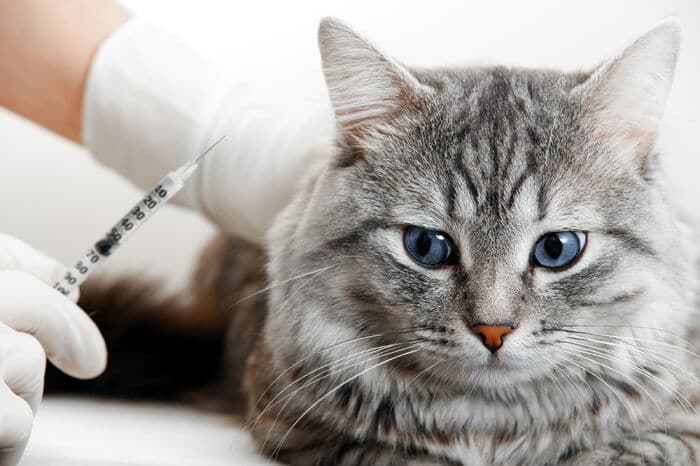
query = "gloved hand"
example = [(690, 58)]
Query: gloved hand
[(36, 322), (147, 110)]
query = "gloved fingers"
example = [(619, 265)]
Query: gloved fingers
[(16, 419), (18, 255), (24, 364), (69, 337)]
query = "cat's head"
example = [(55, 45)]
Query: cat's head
[(493, 221)]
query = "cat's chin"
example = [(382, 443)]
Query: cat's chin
[(495, 373), (501, 376)]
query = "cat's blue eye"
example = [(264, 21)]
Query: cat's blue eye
[(558, 249), (429, 248)]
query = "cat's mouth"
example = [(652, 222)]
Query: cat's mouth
[(497, 371), (494, 362)]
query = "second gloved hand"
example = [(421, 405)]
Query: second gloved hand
[(36, 322)]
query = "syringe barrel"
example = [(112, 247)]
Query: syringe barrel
[(118, 234)]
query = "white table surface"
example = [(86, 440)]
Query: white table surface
[(82, 432)]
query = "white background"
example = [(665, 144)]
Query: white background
[(55, 197)]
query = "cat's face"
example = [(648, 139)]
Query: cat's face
[(483, 216)]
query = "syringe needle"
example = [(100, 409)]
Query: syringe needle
[(200, 156)]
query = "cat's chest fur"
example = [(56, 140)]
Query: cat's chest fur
[(531, 424), (537, 424)]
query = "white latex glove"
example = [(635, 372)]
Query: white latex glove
[(36, 322), (151, 103)]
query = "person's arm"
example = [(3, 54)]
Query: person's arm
[(144, 103), (151, 103), (46, 47)]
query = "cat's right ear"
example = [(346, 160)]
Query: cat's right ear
[(624, 99), (367, 88)]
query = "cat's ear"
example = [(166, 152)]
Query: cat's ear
[(367, 88), (625, 98)]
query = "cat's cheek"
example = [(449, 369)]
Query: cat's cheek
[(517, 347)]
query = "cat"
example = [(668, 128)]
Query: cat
[(487, 270)]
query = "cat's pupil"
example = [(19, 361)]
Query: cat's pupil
[(429, 248), (553, 246), (424, 244), (557, 249)]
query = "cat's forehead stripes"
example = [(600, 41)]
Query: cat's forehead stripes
[(496, 140)]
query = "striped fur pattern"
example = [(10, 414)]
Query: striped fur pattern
[(366, 357), (360, 356)]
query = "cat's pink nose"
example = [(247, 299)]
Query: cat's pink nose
[(492, 335)]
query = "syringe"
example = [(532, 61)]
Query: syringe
[(134, 218)]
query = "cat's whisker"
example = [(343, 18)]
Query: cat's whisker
[(313, 273), (343, 366), (622, 401), (328, 348), (363, 359), (290, 396), (441, 378), (275, 285), (625, 338), (661, 413), (473, 384), (609, 356), (635, 327), (549, 372), (285, 304), (332, 391), (412, 379), (560, 378), (626, 377), (575, 380), (646, 352)]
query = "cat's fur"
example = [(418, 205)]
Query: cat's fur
[(366, 358)]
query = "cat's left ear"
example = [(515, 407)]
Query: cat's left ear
[(625, 98), (367, 88)]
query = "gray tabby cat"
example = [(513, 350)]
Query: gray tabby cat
[(487, 272), (498, 276)]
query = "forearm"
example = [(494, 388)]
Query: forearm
[(46, 47), (151, 103)]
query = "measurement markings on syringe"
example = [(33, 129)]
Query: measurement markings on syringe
[(105, 246), (149, 204)]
